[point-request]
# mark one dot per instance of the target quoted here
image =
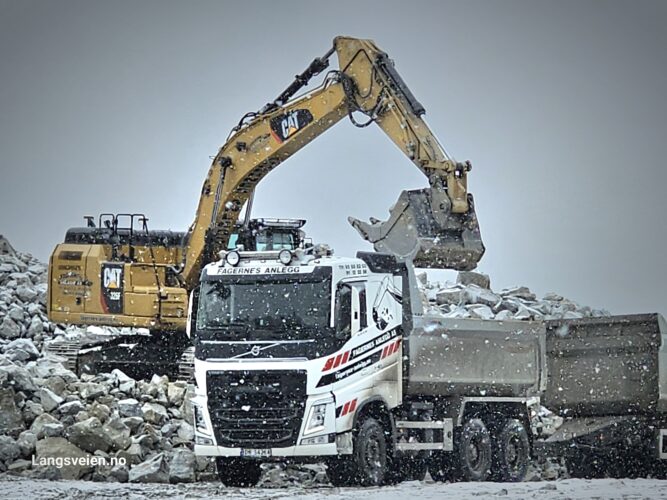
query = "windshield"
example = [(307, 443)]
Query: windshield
[(288, 305)]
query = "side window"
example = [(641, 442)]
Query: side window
[(344, 311), (363, 321)]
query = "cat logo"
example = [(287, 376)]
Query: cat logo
[(286, 125), (112, 288), (112, 277)]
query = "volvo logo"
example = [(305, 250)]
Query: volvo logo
[(255, 350)]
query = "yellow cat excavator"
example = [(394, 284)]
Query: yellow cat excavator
[(116, 272)]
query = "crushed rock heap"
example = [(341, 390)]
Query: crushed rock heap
[(471, 297)]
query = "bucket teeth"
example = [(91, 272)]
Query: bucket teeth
[(414, 233)]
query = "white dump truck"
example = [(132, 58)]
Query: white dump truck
[(310, 357), (303, 356)]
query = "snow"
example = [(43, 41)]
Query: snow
[(426, 490)]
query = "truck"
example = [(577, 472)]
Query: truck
[(119, 273), (305, 356)]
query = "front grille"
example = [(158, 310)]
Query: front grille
[(256, 409)]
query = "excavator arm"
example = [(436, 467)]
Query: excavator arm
[(435, 227)]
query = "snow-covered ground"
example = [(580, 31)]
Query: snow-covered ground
[(14, 488)]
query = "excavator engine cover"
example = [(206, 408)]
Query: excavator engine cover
[(414, 232)]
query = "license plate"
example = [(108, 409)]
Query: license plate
[(255, 452)]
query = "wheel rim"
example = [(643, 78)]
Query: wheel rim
[(476, 453)]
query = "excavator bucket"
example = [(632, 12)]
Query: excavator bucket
[(414, 231)]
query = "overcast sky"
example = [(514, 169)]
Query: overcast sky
[(117, 106)]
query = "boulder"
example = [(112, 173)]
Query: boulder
[(50, 449), (176, 393), (31, 411), (9, 449), (91, 390), (11, 419), (49, 400), (182, 466), (466, 278), (71, 408), (119, 473), (449, 296), (154, 470), (118, 433), (9, 329), (89, 435), (27, 441), (99, 411), (26, 293), (134, 454), (37, 427), (154, 413), (21, 350), (52, 430), (129, 408)]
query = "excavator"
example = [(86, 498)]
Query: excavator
[(117, 272)]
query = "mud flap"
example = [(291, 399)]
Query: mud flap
[(433, 239)]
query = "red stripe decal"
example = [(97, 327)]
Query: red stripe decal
[(396, 344), (345, 409), (328, 364), (346, 356), (384, 352), (353, 405), (337, 362)]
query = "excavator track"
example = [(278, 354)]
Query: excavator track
[(69, 350), (186, 366)]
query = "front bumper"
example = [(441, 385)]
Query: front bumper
[(291, 451)]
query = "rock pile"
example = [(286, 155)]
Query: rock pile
[(471, 297)]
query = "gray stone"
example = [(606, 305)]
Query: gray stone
[(118, 433), (71, 408), (56, 384), (26, 293), (476, 295), (119, 473), (133, 423), (89, 435), (36, 327), (52, 430), (49, 400), (182, 466), (21, 350), (9, 449), (57, 447), (154, 470), (19, 378), (37, 427), (185, 434), (134, 454), (127, 387), (480, 311), (449, 296), (91, 390), (9, 329), (16, 313), (154, 413), (129, 408), (176, 393), (120, 377), (27, 441), (31, 411), (19, 465), (50, 366), (472, 278), (99, 411), (11, 419)]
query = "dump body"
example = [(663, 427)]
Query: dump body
[(468, 357), (607, 366)]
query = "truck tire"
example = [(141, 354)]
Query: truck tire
[(407, 468), (238, 472), (475, 451), (370, 453), (512, 451), (342, 472)]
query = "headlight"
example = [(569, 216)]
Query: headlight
[(200, 422), (285, 256), (316, 418), (233, 258)]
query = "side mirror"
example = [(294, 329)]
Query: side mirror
[(343, 312), (193, 305)]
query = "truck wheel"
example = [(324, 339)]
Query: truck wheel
[(238, 472), (512, 451), (342, 472), (407, 468), (442, 467), (475, 451), (370, 453)]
